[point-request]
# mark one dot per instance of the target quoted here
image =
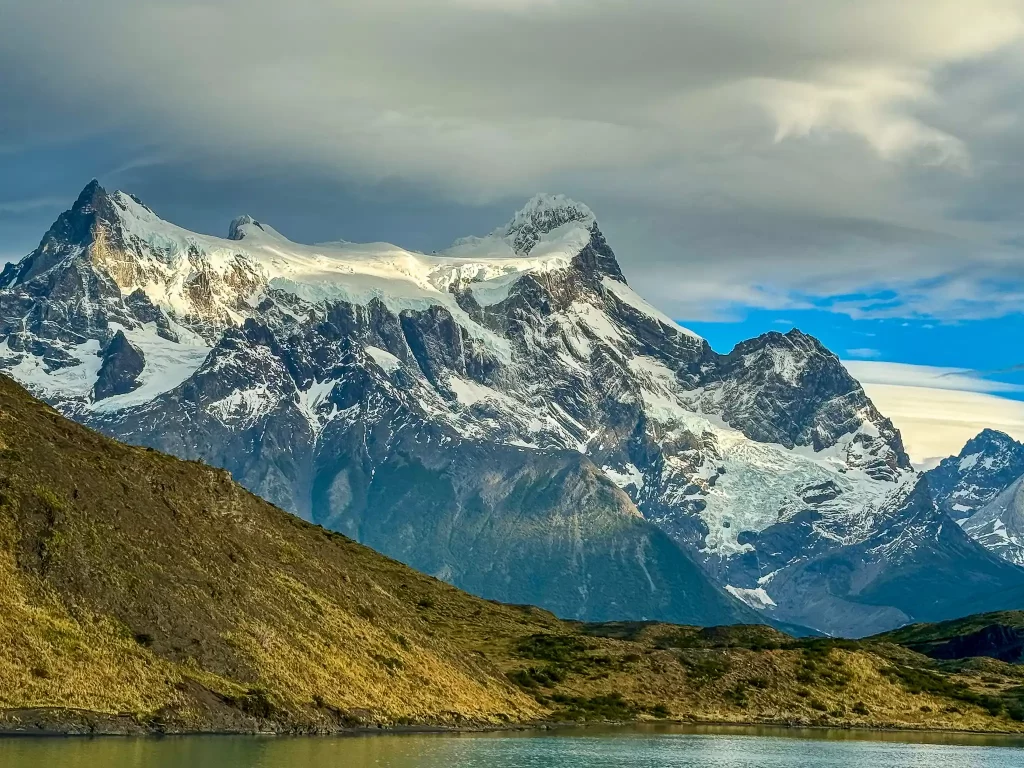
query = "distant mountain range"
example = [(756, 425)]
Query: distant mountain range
[(507, 415)]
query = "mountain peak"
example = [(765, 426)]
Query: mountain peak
[(989, 441), (544, 202), (109, 206), (72, 232), (964, 484), (93, 202), (240, 227), (792, 340), (246, 227), (89, 194), (542, 214)]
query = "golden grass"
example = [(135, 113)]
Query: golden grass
[(50, 659)]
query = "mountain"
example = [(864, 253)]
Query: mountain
[(508, 415), (137, 583), (917, 566), (145, 594), (993, 635), (981, 490), (348, 409), (999, 525)]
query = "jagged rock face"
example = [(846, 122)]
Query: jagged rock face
[(375, 468), (999, 525), (918, 565), (542, 215), (796, 375), (981, 489), (73, 232), (55, 297), (507, 414), (986, 466), (123, 363)]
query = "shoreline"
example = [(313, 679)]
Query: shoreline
[(71, 724)]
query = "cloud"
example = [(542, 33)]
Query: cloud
[(936, 423), (928, 376), (867, 104), (17, 207), (804, 150), (937, 410), (864, 352)]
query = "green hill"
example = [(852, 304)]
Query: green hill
[(997, 635), (142, 593)]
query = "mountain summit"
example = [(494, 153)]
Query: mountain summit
[(508, 415), (981, 488)]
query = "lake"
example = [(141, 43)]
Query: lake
[(654, 747)]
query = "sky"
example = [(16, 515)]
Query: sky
[(852, 169)]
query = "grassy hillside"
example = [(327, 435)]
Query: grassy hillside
[(995, 635), (140, 592)]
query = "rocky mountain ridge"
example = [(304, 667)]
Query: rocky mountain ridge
[(509, 400), (981, 489)]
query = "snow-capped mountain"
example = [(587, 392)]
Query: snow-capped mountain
[(999, 525), (917, 565), (508, 414), (981, 489)]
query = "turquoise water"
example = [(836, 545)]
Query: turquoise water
[(637, 748)]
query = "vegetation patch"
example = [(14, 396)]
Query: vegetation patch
[(560, 649), (705, 668), (566, 655), (918, 681), (608, 707)]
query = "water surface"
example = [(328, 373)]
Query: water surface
[(611, 748)]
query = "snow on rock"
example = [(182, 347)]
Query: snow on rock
[(244, 406), (628, 296), (755, 598), (968, 462), (543, 215), (629, 475), (71, 381), (999, 525), (980, 490), (168, 364), (384, 359)]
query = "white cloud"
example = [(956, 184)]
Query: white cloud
[(927, 376), (937, 410), (872, 105), (864, 353), (936, 423)]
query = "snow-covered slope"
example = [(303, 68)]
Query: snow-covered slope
[(314, 371), (999, 525)]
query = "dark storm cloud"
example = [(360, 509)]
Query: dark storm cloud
[(747, 152)]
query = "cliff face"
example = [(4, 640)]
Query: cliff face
[(981, 489)]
